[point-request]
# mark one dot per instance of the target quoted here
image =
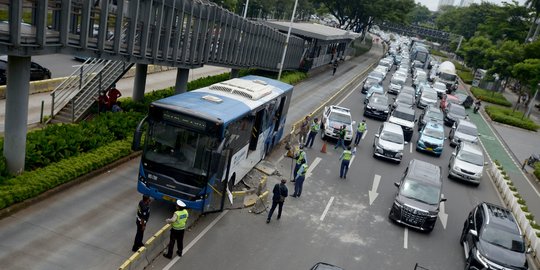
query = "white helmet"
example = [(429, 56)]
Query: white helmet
[(180, 203)]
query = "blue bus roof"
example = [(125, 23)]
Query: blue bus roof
[(230, 107)]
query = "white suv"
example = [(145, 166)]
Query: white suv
[(334, 117)]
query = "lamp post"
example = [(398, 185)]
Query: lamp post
[(531, 102), (245, 9), (287, 41)]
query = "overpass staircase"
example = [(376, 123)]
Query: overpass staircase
[(74, 98)]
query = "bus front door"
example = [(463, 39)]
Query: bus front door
[(256, 130)]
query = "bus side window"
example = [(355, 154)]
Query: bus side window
[(257, 129), (278, 113)]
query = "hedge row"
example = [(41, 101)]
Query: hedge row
[(506, 116), (466, 76), (490, 96), (537, 170), (437, 53), (30, 184)]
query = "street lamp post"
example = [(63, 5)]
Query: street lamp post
[(245, 9), (287, 41)]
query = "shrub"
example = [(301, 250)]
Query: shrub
[(466, 76), (521, 201), (437, 53), (32, 183), (490, 96), (524, 208), (507, 116), (512, 188), (497, 163), (529, 216), (537, 170), (535, 225)]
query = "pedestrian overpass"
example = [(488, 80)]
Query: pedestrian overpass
[(418, 31), (184, 34)]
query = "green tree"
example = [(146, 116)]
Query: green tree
[(419, 14), (528, 74), (465, 20), (506, 23), (502, 58), (532, 50), (474, 51)]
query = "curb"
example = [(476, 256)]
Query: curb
[(10, 210)]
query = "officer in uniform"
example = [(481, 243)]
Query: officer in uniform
[(313, 130), (362, 127), (345, 160), (341, 137), (300, 177), (178, 222), (143, 213), (300, 158)]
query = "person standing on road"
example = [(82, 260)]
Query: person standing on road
[(334, 67), (113, 95), (341, 137), (360, 130), (280, 192), (299, 180), (178, 222), (345, 161), (300, 158), (313, 130), (304, 128), (143, 213)]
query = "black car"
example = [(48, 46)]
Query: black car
[(419, 195), (325, 266), (37, 72), (452, 113), (377, 107), (492, 239)]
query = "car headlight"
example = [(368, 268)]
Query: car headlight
[(433, 214), (385, 111), (420, 143), (379, 149), (481, 259), (398, 204), (399, 154), (456, 168), (369, 107)]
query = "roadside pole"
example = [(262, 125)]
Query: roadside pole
[(287, 40)]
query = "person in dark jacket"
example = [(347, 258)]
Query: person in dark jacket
[(143, 213), (280, 192)]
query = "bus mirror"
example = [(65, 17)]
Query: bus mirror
[(136, 144)]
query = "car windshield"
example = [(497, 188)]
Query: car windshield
[(458, 110), (376, 89), (461, 97), (452, 99), (392, 137), (403, 115), (469, 130), (379, 99), (435, 115), (179, 148), (340, 117), (439, 86), (405, 99), (397, 80), (429, 95), (470, 157), (447, 77), (503, 238), (376, 75), (420, 191), (434, 133)]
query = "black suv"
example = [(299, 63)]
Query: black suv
[(419, 196), (377, 107), (492, 239)]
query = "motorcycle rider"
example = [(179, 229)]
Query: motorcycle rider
[(477, 105)]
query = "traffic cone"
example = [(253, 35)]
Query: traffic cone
[(323, 150)]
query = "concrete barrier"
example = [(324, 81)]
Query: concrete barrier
[(511, 202), (49, 85), (152, 248)]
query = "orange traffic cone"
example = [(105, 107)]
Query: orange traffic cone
[(323, 150)]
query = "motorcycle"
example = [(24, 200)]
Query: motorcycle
[(533, 159), (476, 106)]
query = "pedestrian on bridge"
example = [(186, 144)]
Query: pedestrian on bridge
[(280, 192), (178, 222), (313, 131), (299, 180), (360, 130), (345, 158), (143, 213)]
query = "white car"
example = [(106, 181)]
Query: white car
[(396, 83), (440, 88), (467, 163), (463, 131), (334, 117), (389, 142), (382, 69)]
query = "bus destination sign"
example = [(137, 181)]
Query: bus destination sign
[(184, 120)]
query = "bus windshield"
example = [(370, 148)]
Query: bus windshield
[(179, 148)]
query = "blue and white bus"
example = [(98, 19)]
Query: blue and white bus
[(201, 143)]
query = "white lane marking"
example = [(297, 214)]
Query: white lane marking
[(405, 238), (364, 135), (443, 216), (509, 155), (373, 192), (281, 158), (312, 166), (194, 241), (327, 208), (410, 147)]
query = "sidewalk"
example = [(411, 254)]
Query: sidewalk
[(509, 145)]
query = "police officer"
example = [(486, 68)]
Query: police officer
[(362, 127), (178, 222), (299, 180), (341, 137), (313, 130), (143, 213), (345, 160), (300, 158)]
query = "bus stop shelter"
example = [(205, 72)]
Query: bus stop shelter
[(323, 44)]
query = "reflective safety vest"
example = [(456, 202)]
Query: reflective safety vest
[(305, 168), (362, 127), (301, 157), (347, 155), (315, 127), (181, 219)]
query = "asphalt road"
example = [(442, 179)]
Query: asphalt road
[(353, 234), (60, 65), (91, 226)]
